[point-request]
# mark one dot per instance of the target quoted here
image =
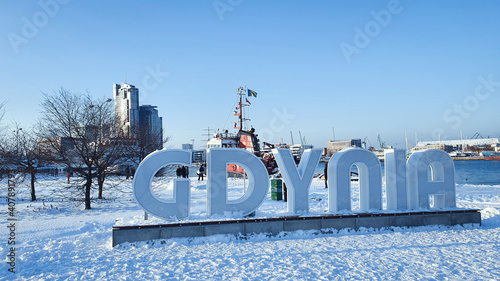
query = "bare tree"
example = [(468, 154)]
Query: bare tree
[(25, 155), (85, 124), (111, 153), (144, 141), (148, 141), (3, 149)]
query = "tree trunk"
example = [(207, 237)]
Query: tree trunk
[(100, 182), (88, 185), (33, 179)]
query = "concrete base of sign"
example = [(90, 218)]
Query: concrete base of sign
[(274, 226)]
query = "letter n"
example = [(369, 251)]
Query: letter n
[(339, 180)]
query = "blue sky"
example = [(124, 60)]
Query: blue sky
[(363, 67)]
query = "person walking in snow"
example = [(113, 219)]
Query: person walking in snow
[(201, 172)]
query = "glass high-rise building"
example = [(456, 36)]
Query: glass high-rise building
[(138, 122), (126, 98), (152, 125)]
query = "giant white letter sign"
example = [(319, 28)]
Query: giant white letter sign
[(395, 179), (178, 206), (339, 180), (298, 179), (217, 161), (442, 179)]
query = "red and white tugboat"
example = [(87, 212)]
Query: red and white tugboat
[(244, 138)]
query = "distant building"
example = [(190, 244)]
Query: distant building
[(198, 156), (335, 146), (452, 145), (470, 142), (49, 147), (187, 146), (151, 124), (137, 122), (444, 147), (126, 98), (298, 149), (496, 147)]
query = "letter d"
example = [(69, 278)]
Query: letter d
[(258, 178)]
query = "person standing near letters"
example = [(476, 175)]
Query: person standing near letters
[(178, 171), (326, 175), (201, 172), (127, 173)]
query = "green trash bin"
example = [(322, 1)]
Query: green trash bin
[(276, 189)]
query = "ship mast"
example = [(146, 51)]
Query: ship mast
[(241, 91)]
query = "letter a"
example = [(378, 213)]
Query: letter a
[(442, 174)]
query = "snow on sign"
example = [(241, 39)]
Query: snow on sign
[(409, 183)]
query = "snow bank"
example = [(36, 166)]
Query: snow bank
[(57, 240)]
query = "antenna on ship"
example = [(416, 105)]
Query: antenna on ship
[(207, 134)]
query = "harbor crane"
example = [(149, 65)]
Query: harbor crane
[(381, 143), (477, 136)]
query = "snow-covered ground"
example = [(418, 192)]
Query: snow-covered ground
[(58, 240)]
